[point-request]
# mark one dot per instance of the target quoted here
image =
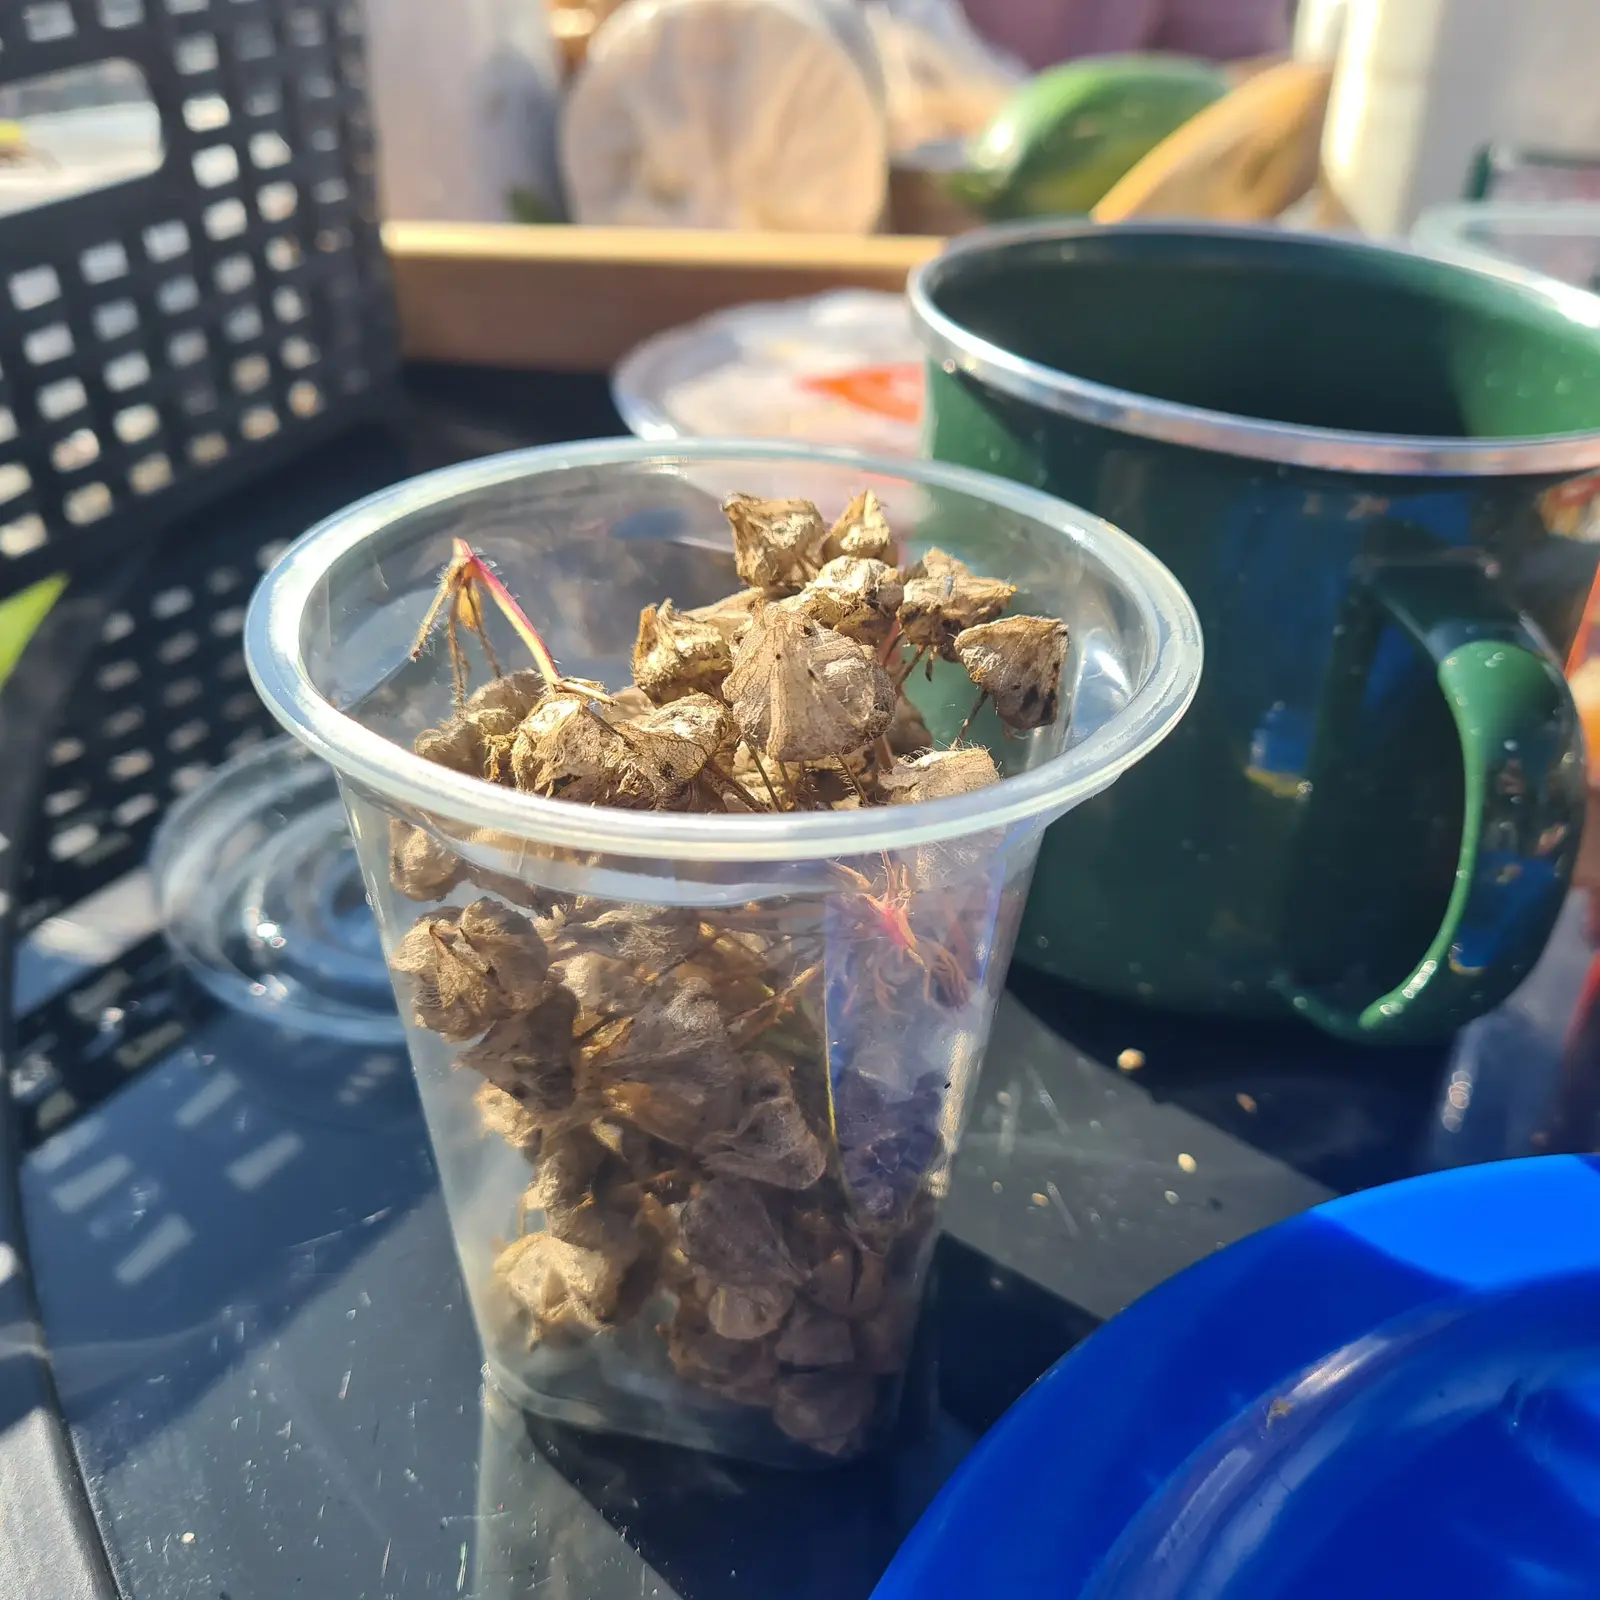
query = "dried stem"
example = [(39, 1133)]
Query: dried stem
[(459, 598), (851, 779), (978, 706), (755, 756), (911, 666)]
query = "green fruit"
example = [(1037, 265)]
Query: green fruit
[(1061, 142)]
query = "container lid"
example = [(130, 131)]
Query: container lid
[(1395, 1394), (840, 368)]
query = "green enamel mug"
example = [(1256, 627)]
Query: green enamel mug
[(1377, 475)]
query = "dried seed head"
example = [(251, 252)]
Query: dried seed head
[(848, 1281), (471, 968), (737, 1369), (728, 1233), (772, 1142), (671, 1074), (501, 704), (566, 749), (603, 985), (503, 1114), (653, 937), (748, 1313), (568, 1165), (547, 1276), (672, 746), (939, 775), (676, 655), (420, 867), (863, 530), (803, 692), (942, 596), (530, 1056), (854, 595), (1017, 662), (815, 1338), (777, 544), (730, 615), (456, 744), (823, 1409)]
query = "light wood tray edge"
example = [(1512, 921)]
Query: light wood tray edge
[(578, 299)]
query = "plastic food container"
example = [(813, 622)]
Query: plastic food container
[(731, 1253), (842, 368)]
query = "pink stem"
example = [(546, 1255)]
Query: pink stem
[(506, 603)]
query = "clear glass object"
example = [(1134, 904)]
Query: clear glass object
[(261, 896), (840, 965)]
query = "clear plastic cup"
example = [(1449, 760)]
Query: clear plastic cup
[(708, 1216)]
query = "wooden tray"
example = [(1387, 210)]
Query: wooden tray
[(578, 299)]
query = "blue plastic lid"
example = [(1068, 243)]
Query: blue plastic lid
[(1396, 1394)]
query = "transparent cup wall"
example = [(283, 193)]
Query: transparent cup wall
[(724, 1244)]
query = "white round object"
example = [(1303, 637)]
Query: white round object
[(842, 368), (724, 114)]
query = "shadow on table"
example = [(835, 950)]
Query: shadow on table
[(721, 1530), (235, 1180), (1346, 1116)]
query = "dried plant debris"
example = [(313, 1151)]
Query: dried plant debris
[(862, 530), (801, 692), (943, 598), (471, 968), (676, 655), (1017, 662), (777, 544), (730, 1134), (939, 775)]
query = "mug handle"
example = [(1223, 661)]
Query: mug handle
[(1519, 730)]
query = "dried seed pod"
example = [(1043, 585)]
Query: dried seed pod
[(529, 1056), (744, 1370), (815, 1338), (777, 544), (547, 1272), (456, 744), (1018, 663), (503, 1114), (569, 1164), (848, 1281), (728, 1233), (730, 615), (566, 749), (943, 596), (672, 746), (675, 655), (772, 1142), (500, 704), (939, 775), (862, 530), (672, 1074), (803, 692), (471, 968), (854, 595), (602, 985), (824, 1409), (420, 867), (748, 1313), (653, 937)]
